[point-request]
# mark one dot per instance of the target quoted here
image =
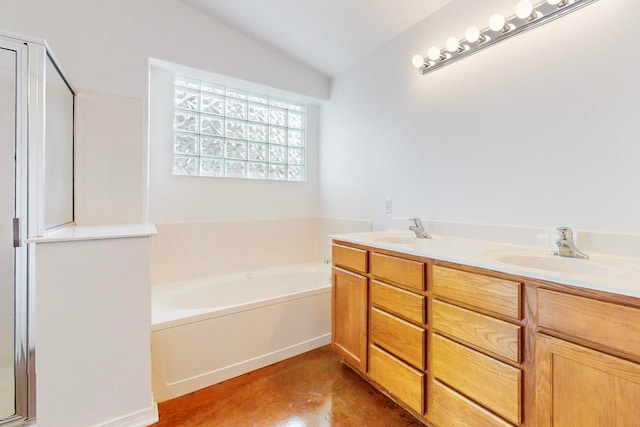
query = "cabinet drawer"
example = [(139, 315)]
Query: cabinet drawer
[(452, 409), (349, 258), (612, 325), (401, 338), (493, 335), (399, 301), (489, 382), (400, 379), (403, 271), (476, 290)]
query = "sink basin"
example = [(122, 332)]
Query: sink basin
[(394, 239), (558, 264)]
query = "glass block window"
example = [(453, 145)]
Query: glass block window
[(224, 132)]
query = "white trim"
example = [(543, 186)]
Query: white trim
[(38, 54), (21, 38), (37, 61), (96, 232), (142, 418)]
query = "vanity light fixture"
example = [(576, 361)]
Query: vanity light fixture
[(453, 45), (497, 23), (528, 16), (435, 54), (524, 10), (473, 35), (417, 61)]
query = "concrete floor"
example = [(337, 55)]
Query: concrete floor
[(311, 390)]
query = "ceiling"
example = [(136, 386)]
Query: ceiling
[(327, 35)]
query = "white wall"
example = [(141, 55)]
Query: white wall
[(184, 251), (539, 130), (193, 250), (93, 356), (200, 199), (105, 46), (209, 226), (109, 159), (104, 50)]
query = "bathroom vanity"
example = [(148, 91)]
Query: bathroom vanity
[(485, 343)]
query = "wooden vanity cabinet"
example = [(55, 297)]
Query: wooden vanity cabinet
[(349, 305), (467, 347), (588, 374), (476, 348), (397, 329), (578, 386)]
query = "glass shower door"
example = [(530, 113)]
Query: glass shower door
[(8, 63)]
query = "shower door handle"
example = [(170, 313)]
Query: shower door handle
[(17, 242)]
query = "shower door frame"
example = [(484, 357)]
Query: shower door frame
[(31, 72), (24, 297)]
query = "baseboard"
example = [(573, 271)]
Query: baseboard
[(142, 418)]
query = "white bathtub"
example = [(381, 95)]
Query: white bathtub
[(209, 330)]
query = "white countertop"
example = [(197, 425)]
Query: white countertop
[(620, 275)]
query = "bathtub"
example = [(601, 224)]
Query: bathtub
[(209, 330)]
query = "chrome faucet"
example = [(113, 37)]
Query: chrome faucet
[(566, 246), (418, 228)]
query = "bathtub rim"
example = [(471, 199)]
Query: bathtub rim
[(172, 317)]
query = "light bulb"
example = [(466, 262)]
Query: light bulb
[(472, 34), (497, 22), (452, 44), (524, 10), (434, 53), (417, 60)]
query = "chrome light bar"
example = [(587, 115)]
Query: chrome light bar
[(527, 17)]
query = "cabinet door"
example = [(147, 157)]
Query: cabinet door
[(349, 317), (577, 386)]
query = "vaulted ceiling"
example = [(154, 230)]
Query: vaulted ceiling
[(327, 35)]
